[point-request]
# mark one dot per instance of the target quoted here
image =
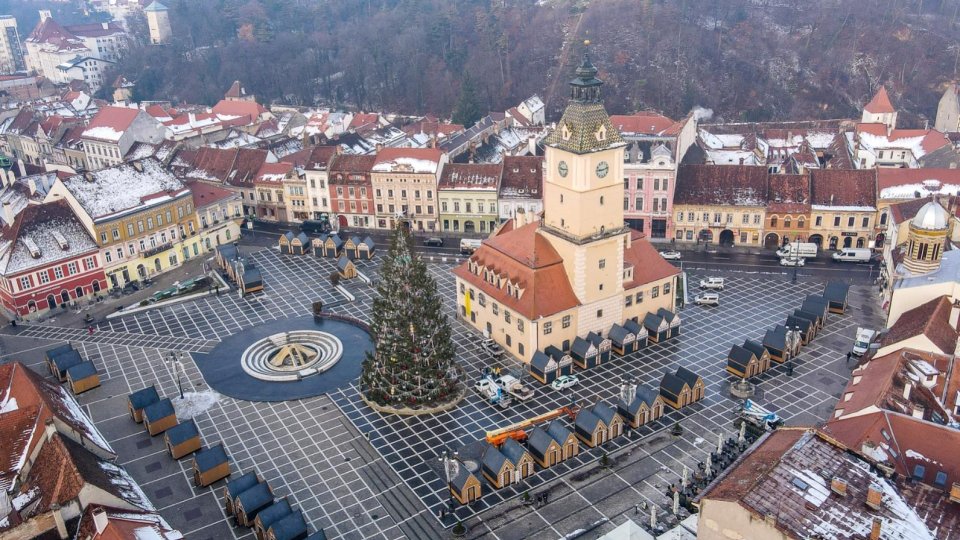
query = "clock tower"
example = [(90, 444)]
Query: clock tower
[(583, 201)]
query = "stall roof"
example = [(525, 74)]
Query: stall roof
[(368, 241), (540, 361), (158, 410), (653, 322), (538, 440), (740, 357), (67, 360), (800, 322), (619, 334), (604, 412), (836, 291), (143, 397), (671, 384), (256, 497), (512, 450), (553, 352), (82, 370), (290, 527), (209, 458), (493, 459), (777, 340), (239, 485), (184, 431), (583, 348), (635, 328), (688, 376), (274, 512), (558, 431), (460, 480), (586, 421), (50, 353), (755, 347), (343, 262)]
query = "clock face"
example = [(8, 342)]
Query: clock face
[(602, 169), (562, 168)]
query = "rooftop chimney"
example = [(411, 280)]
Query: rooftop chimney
[(874, 496), (876, 528), (839, 486), (32, 183), (58, 519), (907, 387), (44, 14), (532, 145), (918, 410), (8, 215), (100, 519)]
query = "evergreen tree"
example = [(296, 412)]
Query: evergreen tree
[(412, 362), (467, 109)]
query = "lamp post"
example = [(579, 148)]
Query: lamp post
[(796, 262), (451, 466), (178, 367)]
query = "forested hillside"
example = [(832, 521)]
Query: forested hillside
[(745, 59)]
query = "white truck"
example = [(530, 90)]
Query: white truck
[(469, 245), (861, 344), (795, 250), (512, 386), (492, 392), (857, 255)]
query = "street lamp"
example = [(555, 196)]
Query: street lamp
[(796, 262), (451, 467), (178, 367)]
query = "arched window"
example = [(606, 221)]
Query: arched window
[(786, 222), (773, 221), (801, 222)]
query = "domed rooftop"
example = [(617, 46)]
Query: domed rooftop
[(931, 217)]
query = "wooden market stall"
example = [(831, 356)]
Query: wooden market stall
[(519, 456), (836, 294), (250, 502), (545, 449), (496, 467), (159, 417), (209, 465), (742, 362), (291, 527), (140, 399), (623, 341), (346, 268), (182, 439), (673, 321), (63, 361), (603, 345), (270, 515), (564, 361), (646, 406), (236, 487), (465, 486), (83, 377), (657, 327), (543, 368), (643, 337), (584, 353), (589, 428)]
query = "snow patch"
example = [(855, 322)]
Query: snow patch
[(917, 455), (9, 405), (103, 133), (909, 191), (194, 404)]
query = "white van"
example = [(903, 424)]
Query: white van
[(858, 255), (469, 245), (794, 250), (862, 342)]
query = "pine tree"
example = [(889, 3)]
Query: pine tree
[(412, 363), (467, 110)]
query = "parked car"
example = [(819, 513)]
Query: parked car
[(863, 340), (670, 255), (712, 283), (469, 245), (707, 299), (857, 255), (433, 241), (492, 347), (792, 262), (564, 381)]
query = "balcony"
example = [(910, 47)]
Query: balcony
[(155, 250)]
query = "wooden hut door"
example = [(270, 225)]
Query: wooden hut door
[(600, 436), (472, 494), (553, 457)]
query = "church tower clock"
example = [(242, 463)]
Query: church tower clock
[(582, 199)]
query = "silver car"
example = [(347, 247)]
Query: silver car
[(707, 299)]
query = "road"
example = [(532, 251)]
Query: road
[(822, 267), (724, 260)]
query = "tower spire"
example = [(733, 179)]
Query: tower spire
[(586, 87)]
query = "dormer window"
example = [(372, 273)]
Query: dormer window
[(601, 134), (33, 247), (565, 132)]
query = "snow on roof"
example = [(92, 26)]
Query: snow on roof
[(829, 208), (126, 486), (110, 123), (731, 157), (42, 235), (908, 191), (414, 160), (116, 189)]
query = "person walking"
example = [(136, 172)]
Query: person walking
[(90, 330)]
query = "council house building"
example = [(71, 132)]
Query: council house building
[(580, 269)]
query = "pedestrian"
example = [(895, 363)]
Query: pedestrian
[(849, 355), (90, 330), (636, 509)]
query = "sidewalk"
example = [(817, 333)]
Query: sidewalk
[(108, 304)]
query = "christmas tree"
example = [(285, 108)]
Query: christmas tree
[(412, 363)]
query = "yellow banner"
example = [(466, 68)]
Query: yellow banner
[(466, 301)]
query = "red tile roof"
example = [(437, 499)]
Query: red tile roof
[(754, 468), (730, 185), (931, 319), (117, 118), (388, 155), (236, 90), (361, 120), (522, 173), (250, 109), (272, 173), (880, 103), (838, 187), (913, 442), (125, 525), (788, 193), (643, 122), (348, 163), (891, 177), (648, 265), (320, 158), (470, 176), (528, 260), (903, 211), (206, 194)]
